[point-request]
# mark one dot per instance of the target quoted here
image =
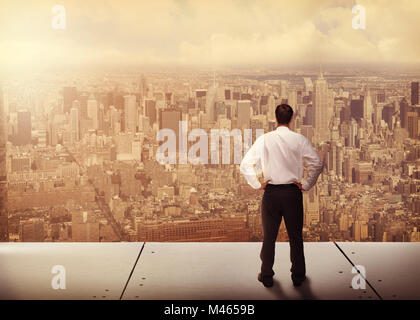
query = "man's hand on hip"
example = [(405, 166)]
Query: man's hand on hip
[(263, 185), (299, 185)]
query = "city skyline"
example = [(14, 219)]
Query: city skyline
[(91, 173)]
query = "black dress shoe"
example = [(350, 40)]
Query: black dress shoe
[(267, 281), (297, 281)]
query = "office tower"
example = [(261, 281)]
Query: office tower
[(220, 110), (309, 87), (150, 111), (387, 112), (114, 119), (404, 108), (356, 109), (142, 86), (24, 128), (200, 99), (92, 111), (244, 114), (308, 117), (69, 95), (169, 119), (311, 206), (130, 114), (320, 109), (83, 99), (227, 94), (283, 89), (292, 99), (210, 101), (263, 106), (109, 100), (4, 233), (367, 106), (414, 93), (413, 124), (74, 125)]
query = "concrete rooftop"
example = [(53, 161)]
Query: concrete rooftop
[(205, 271)]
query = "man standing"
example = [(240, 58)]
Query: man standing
[(280, 155)]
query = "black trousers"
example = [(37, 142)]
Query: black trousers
[(282, 201)]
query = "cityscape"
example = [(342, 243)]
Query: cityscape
[(128, 120), (79, 155)]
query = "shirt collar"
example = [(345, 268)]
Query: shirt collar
[(282, 128)]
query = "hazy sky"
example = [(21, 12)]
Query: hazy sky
[(213, 32)]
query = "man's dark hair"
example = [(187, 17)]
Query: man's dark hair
[(284, 113)]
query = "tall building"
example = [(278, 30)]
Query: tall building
[(414, 93), (367, 106), (74, 125), (244, 114), (130, 114), (24, 127), (210, 102), (4, 234), (404, 108), (357, 109), (413, 124), (320, 109), (283, 89), (92, 111), (309, 87), (69, 95), (169, 119), (150, 110)]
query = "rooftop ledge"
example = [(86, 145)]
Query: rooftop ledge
[(204, 271)]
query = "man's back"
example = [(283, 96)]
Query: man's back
[(281, 153)]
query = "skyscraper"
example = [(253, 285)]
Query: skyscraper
[(150, 110), (414, 93), (244, 114), (357, 109), (169, 119), (24, 127), (4, 234), (210, 102), (320, 109), (404, 108), (92, 111), (367, 106), (130, 114), (69, 95), (74, 125), (413, 124)]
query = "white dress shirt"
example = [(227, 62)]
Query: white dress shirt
[(279, 155)]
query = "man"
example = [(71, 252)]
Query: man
[(280, 155)]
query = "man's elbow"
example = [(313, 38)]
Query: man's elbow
[(244, 168)]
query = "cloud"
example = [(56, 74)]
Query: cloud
[(229, 32)]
